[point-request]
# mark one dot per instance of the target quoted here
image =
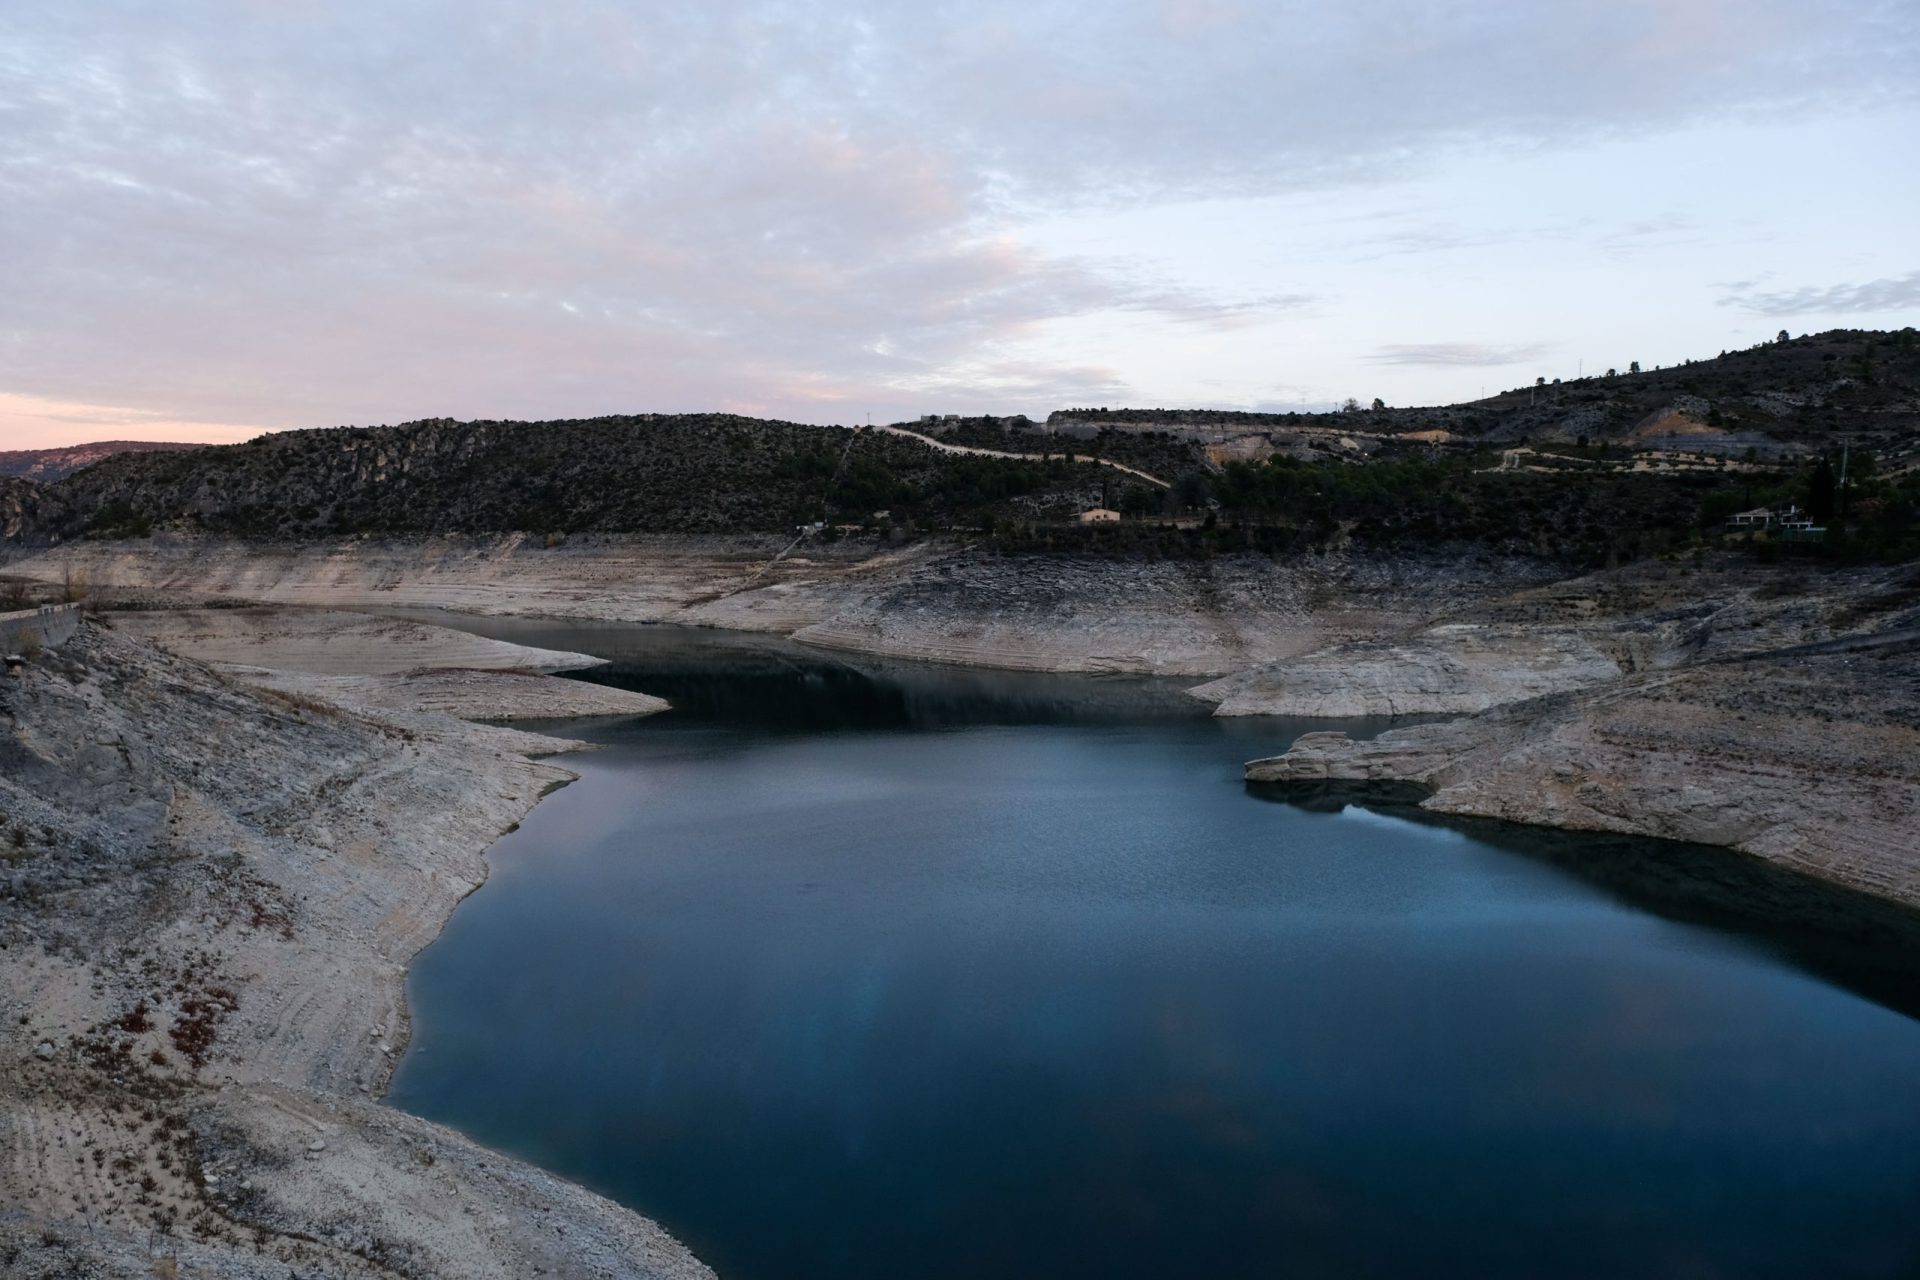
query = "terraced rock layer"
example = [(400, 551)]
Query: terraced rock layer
[(1808, 760), (929, 601)]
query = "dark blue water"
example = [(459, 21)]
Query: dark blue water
[(858, 972)]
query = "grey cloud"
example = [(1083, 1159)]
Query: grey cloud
[(1426, 237), (301, 212), (1459, 353), (1894, 293)]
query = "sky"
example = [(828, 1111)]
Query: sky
[(225, 216)]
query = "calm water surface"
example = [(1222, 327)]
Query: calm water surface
[(855, 971)]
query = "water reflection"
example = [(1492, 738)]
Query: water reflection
[(857, 969), (1868, 945)]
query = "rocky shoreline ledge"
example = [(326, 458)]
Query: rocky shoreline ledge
[(1674, 671), (209, 894), (928, 601), (1810, 761), (203, 951)]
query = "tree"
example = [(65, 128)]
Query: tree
[(1613, 373), (1378, 404), (1351, 406), (1539, 382), (1783, 337), (1192, 489), (1820, 493), (1633, 367)]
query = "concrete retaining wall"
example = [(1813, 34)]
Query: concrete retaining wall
[(52, 626)]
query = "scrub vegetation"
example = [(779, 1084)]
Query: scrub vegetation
[(1598, 471)]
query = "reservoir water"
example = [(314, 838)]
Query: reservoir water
[(854, 970)]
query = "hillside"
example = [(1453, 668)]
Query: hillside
[(27, 510), (1778, 398), (718, 475), (1588, 473), (44, 466), (1812, 392), (693, 473)]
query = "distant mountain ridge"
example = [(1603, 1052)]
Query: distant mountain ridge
[(45, 466)]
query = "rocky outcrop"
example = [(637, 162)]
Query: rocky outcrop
[(1158, 617), (384, 664), (1811, 761), (29, 515), (1449, 669), (464, 694), (930, 601), (1578, 633), (614, 579), (208, 898), (333, 643)]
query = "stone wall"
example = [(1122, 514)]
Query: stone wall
[(51, 626)]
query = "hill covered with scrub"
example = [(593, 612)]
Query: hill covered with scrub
[(1603, 470), (1777, 398), (706, 475), (688, 473), (44, 466)]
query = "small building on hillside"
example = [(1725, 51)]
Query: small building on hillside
[(1767, 517), (1799, 527), (1099, 515), (1788, 524)]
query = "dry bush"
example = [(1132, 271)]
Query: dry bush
[(298, 701)]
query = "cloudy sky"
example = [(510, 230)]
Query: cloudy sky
[(218, 217)]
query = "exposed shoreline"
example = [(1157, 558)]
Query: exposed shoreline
[(1507, 642), (1337, 634), (204, 983), (929, 601), (1687, 724), (1807, 761)]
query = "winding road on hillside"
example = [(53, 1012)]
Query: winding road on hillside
[(945, 447)]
